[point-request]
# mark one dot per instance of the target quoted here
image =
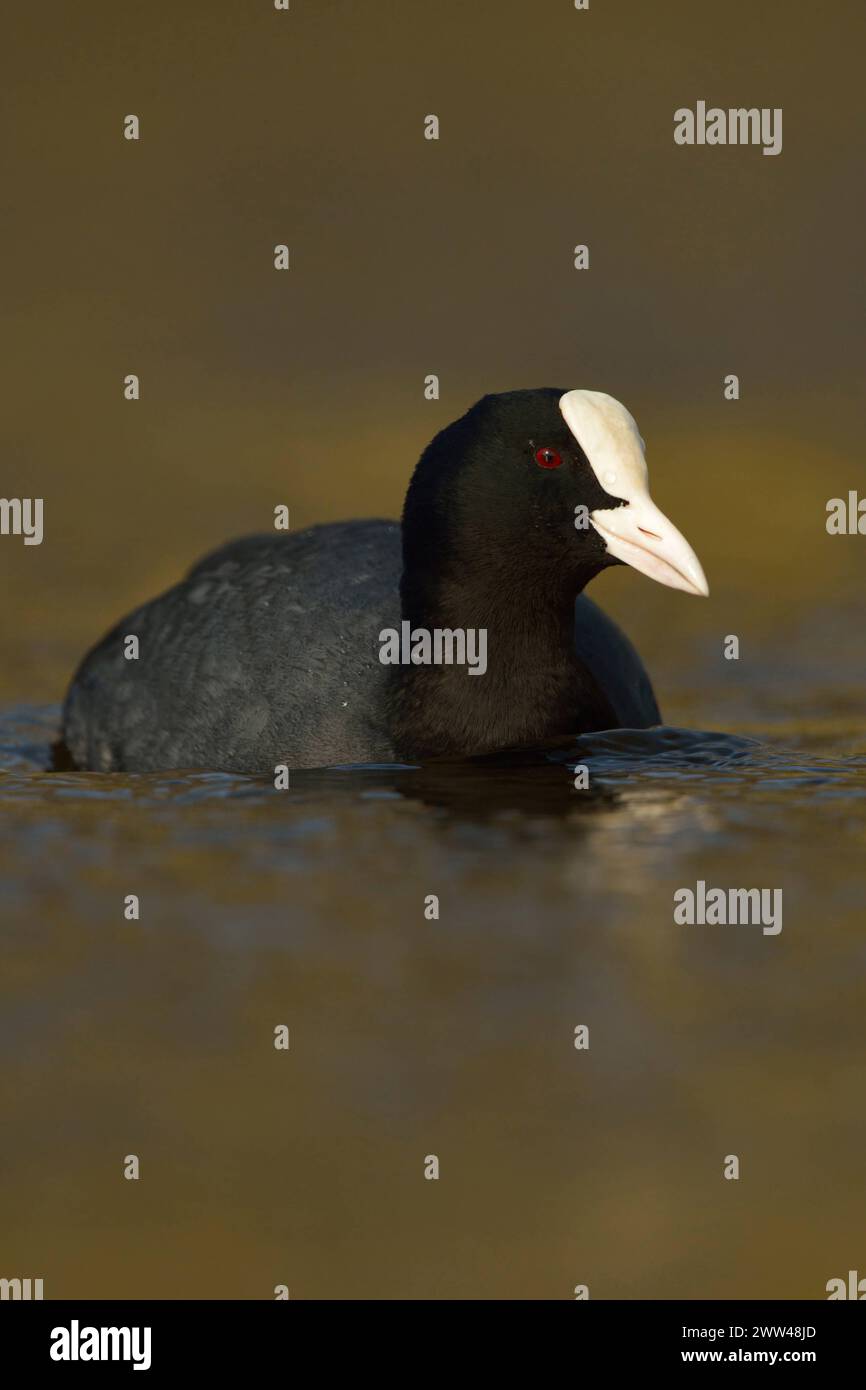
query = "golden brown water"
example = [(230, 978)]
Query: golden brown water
[(454, 1037)]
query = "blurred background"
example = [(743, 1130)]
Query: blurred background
[(411, 257)]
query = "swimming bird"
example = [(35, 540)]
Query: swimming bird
[(271, 650)]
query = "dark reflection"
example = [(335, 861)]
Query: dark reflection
[(537, 781), (524, 782), (59, 758)]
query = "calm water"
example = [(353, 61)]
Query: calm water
[(453, 1037), (412, 1037)]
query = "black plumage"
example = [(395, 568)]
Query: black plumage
[(268, 651)]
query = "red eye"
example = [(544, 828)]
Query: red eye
[(547, 458)]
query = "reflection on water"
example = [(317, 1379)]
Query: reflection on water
[(454, 1036)]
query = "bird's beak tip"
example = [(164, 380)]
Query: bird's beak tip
[(641, 536)]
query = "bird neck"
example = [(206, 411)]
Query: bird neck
[(532, 686)]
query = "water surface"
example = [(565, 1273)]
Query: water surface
[(454, 1037)]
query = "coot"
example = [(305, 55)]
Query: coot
[(464, 631)]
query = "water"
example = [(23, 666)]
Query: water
[(411, 1036), (454, 1037)]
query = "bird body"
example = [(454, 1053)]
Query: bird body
[(271, 650)]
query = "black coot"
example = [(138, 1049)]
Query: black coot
[(462, 632)]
